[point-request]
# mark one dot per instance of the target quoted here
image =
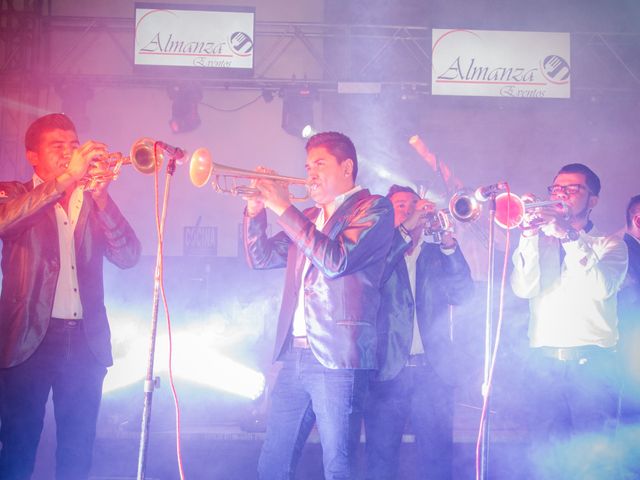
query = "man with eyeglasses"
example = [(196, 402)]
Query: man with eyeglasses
[(571, 274)]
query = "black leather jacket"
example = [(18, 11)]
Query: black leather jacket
[(441, 280), (31, 263), (341, 286)]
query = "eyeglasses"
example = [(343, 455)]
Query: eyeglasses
[(568, 190)]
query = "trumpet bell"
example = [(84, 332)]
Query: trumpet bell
[(144, 156), (509, 210), (200, 167), (464, 207)]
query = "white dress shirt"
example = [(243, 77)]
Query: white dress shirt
[(573, 303), (66, 303)]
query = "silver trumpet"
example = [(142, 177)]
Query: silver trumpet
[(464, 207), (202, 169), (438, 223), (510, 208)]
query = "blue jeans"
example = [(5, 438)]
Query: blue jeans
[(419, 395), (571, 405), (62, 363), (307, 392)]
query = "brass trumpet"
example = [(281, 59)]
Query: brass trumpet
[(142, 156), (202, 168)]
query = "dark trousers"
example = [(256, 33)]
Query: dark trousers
[(63, 364), (419, 395), (571, 415), (307, 392)]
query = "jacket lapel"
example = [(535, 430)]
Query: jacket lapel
[(339, 217)]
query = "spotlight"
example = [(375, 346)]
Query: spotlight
[(267, 95), (308, 131), (297, 110), (184, 110), (194, 359)]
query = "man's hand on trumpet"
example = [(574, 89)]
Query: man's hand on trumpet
[(77, 163), (100, 175), (274, 195), (557, 224), (550, 219), (416, 219)]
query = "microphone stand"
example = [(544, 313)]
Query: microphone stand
[(150, 382), (488, 342)]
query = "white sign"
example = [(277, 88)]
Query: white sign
[(194, 38), (501, 64)]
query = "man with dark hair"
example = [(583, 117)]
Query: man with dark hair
[(326, 333), (417, 372), (629, 313), (54, 334), (571, 274), (591, 180)]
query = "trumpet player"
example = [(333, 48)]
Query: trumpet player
[(334, 253), (417, 373), (629, 313), (570, 273), (54, 334)]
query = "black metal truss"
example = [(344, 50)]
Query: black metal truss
[(396, 55)]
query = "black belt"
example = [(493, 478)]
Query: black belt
[(574, 354), (300, 342), (64, 322)]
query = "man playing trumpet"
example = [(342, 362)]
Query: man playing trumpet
[(54, 333), (571, 274), (334, 253), (417, 373)]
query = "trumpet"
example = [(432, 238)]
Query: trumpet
[(464, 207), (438, 223), (202, 168), (142, 156), (511, 209)]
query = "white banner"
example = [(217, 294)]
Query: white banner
[(194, 38), (501, 64)]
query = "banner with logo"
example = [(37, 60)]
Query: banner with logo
[(194, 37), (501, 64)]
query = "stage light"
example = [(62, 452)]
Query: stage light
[(194, 359), (297, 110), (184, 109), (267, 95), (308, 131)]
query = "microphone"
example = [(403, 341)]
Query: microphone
[(484, 194), (176, 152)]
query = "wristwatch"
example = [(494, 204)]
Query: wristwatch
[(571, 236)]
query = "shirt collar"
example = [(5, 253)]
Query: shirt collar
[(340, 199), (36, 180)]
